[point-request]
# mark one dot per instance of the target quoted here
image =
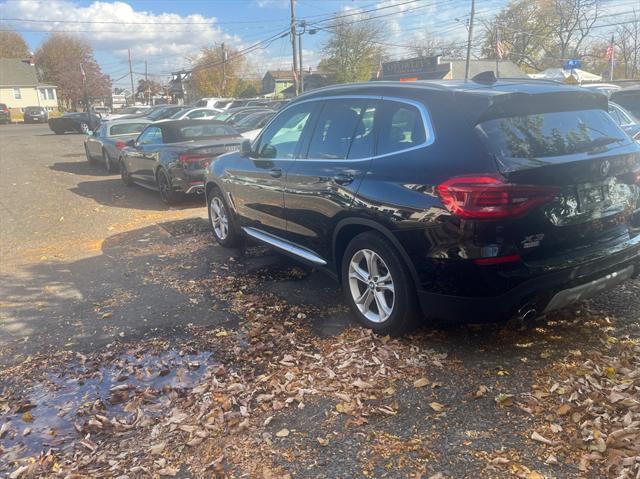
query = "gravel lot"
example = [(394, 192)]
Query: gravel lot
[(131, 344)]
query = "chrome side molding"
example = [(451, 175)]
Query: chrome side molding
[(284, 245)]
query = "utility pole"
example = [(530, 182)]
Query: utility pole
[(84, 85), (224, 69), (146, 82), (131, 75), (466, 66), (294, 44), (498, 51), (613, 51), (303, 25)]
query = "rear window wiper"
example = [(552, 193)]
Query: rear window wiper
[(598, 143)]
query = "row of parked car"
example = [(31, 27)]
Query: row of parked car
[(168, 147), (445, 200)]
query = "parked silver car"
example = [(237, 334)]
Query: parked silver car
[(110, 137)]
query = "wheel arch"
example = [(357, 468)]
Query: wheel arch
[(349, 228)]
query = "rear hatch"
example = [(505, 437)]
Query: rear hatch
[(567, 145)]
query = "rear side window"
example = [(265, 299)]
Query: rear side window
[(336, 128), (401, 127), (548, 134)]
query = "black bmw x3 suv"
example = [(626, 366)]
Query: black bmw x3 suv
[(452, 201)]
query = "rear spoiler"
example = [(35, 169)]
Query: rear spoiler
[(503, 105)]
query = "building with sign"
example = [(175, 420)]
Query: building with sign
[(437, 68)]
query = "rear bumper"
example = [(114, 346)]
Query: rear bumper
[(542, 293), (188, 181)]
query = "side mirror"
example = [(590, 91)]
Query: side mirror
[(268, 151), (245, 148)]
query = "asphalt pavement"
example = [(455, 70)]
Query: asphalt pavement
[(91, 270)]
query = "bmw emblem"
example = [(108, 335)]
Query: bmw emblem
[(605, 166)]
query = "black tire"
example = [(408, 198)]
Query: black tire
[(233, 237), (167, 194), (87, 154), (58, 132), (106, 161), (124, 174), (404, 311)]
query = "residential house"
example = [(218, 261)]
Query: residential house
[(20, 86), (274, 81)]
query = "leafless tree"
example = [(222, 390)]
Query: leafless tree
[(570, 23), (627, 40)]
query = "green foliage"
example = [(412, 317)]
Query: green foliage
[(352, 52)]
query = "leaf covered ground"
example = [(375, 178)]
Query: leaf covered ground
[(269, 394)]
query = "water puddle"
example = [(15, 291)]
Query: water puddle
[(55, 412)]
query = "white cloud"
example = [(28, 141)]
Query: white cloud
[(166, 37)]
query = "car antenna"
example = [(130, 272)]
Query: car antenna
[(486, 78)]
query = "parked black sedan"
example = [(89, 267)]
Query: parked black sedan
[(82, 122), (172, 156)]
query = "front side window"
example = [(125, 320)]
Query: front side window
[(338, 124), (401, 127), (280, 139), (17, 94), (150, 136)]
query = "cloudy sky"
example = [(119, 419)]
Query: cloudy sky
[(168, 33)]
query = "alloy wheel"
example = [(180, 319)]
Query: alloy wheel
[(219, 219), (371, 285), (84, 128)]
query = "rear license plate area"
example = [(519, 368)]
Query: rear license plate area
[(590, 196)]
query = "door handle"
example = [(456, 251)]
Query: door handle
[(343, 179), (275, 172)]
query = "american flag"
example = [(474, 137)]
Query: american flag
[(500, 50), (610, 50)]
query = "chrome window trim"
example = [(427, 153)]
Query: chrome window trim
[(424, 113)]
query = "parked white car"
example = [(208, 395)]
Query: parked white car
[(196, 114), (218, 103)]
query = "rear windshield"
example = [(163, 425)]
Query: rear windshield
[(127, 128), (548, 134), (193, 132)]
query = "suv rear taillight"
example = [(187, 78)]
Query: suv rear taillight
[(491, 197), (202, 160), (120, 144)]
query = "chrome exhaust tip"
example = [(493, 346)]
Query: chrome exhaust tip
[(527, 313)]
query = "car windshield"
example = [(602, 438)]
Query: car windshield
[(178, 114), (204, 130), (130, 110), (236, 117), (549, 134), (222, 116), (33, 109), (252, 121), (126, 128)]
